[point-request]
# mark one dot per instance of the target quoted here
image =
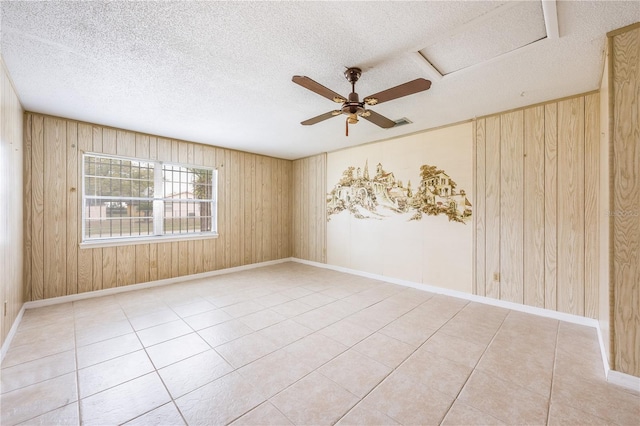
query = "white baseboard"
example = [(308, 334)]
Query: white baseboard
[(612, 376), (12, 332), (624, 380)]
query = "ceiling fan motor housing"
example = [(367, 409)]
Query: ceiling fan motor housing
[(353, 105)]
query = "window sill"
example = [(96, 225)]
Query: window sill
[(114, 242)]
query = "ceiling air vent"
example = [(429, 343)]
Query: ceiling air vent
[(402, 121)]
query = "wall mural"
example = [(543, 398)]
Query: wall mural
[(376, 197)]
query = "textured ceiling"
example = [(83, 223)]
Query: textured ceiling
[(220, 72)]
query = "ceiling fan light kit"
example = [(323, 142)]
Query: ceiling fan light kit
[(352, 107)]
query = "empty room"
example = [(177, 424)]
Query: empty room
[(319, 213)]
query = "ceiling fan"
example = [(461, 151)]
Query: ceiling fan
[(352, 107)]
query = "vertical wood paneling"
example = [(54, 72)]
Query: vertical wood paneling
[(164, 260), (625, 208), (304, 219), (249, 211), (96, 139), (71, 190), (175, 151), (534, 206), (591, 189), (571, 206), (164, 149), (55, 230), (153, 148), (274, 225), (109, 141), (511, 207), (479, 213), (536, 171), (550, 205), (125, 265), (37, 208), (109, 267), (86, 139), (222, 159), (14, 186), (183, 152), (285, 193), (190, 154), (309, 198), (198, 155), (234, 242), (209, 245), (142, 266), (246, 191), (125, 143), (295, 183), (492, 191), (27, 212), (191, 257), (323, 209), (182, 256), (85, 270), (260, 197), (98, 269), (142, 149), (175, 260), (198, 256)]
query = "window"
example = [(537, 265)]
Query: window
[(126, 198)]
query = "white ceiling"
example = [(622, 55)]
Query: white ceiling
[(220, 72)]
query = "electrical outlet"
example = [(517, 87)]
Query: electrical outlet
[(496, 277)]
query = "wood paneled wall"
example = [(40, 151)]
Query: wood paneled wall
[(253, 210), (310, 208), (536, 212), (624, 90), (11, 230)]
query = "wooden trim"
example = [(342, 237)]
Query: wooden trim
[(623, 30), (612, 340), (27, 210)]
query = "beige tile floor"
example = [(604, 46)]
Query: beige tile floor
[(293, 344)]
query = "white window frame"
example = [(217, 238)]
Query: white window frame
[(158, 206)]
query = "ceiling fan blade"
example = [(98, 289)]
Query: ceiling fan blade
[(321, 117), (314, 86), (378, 120), (409, 88)]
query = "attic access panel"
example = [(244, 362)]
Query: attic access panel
[(505, 29)]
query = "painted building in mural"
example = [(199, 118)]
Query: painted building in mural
[(376, 197)]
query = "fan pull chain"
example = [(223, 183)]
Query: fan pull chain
[(347, 127)]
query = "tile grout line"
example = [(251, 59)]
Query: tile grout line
[(473, 369), (75, 372), (340, 353), (213, 348), (268, 399), (405, 359), (75, 353), (155, 370), (553, 373)]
